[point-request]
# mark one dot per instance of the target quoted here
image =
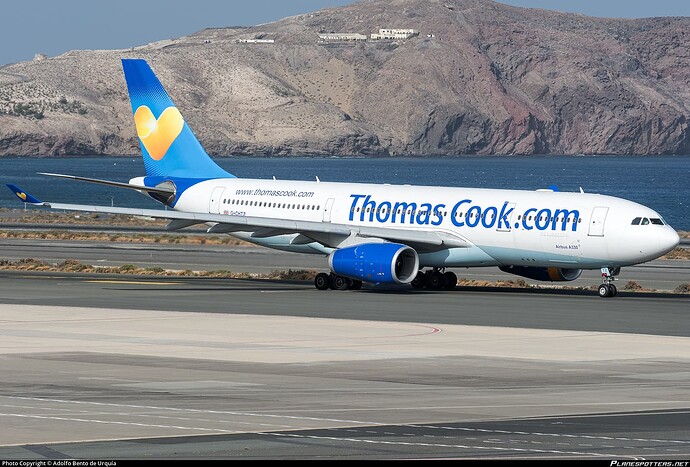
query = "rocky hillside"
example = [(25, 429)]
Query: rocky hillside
[(480, 78)]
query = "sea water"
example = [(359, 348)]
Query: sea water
[(660, 182)]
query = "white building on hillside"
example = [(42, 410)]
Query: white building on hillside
[(394, 34)]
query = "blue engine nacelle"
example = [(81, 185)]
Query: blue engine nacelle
[(543, 274), (390, 263)]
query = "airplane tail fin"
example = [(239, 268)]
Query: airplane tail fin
[(168, 146)]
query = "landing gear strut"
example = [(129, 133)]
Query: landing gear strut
[(324, 281), (436, 279), (608, 289)]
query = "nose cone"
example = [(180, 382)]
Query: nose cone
[(668, 240)]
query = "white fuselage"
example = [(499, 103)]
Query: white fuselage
[(502, 227)]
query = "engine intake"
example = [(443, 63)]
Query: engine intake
[(543, 274), (390, 263)]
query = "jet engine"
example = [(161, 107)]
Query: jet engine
[(390, 263)]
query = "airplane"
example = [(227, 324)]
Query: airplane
[(379, 234)]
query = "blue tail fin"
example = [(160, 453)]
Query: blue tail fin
[(168, 146)]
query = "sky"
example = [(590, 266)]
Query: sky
[(28, 27)]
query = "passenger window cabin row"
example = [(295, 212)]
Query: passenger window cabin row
[(265, 204)]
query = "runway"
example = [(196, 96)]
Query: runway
[(141, 367)]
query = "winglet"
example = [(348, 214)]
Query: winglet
[(23, 195)]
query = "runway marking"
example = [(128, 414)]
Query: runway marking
[(126, 414), (563, 435), (219, 430), (439, 445), (113, 422), (450, 407), (111, 281), (177, 409), (290, 417)]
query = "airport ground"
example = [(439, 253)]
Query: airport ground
[(126, 366)]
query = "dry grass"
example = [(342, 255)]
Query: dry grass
[(55, 217), (102, 221), (633, 286), (516, 283), (677, 253), (165, 239), (71, 265)]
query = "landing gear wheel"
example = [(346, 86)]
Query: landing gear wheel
[(435, 280), (354, 284), (419, 282), (613, 291), (604, 291), (322, 281), (339, 283), (451, 280)]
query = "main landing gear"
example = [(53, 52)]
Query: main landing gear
[(435, 279), (608, 289), (324, 281)]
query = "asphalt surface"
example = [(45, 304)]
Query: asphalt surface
[(657, 314), (103, 367)]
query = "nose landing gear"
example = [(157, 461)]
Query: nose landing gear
[(608, 289)]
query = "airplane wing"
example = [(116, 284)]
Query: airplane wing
[(329, 234), (143, 189)]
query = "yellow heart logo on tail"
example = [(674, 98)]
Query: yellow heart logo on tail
[(158, 135), (22, 195)]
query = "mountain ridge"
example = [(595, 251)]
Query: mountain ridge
[(480, 78)]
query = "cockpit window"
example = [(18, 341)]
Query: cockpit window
[(645, 221)]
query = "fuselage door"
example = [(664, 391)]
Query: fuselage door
[(216, 196), (596, 223), (327, 210)]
